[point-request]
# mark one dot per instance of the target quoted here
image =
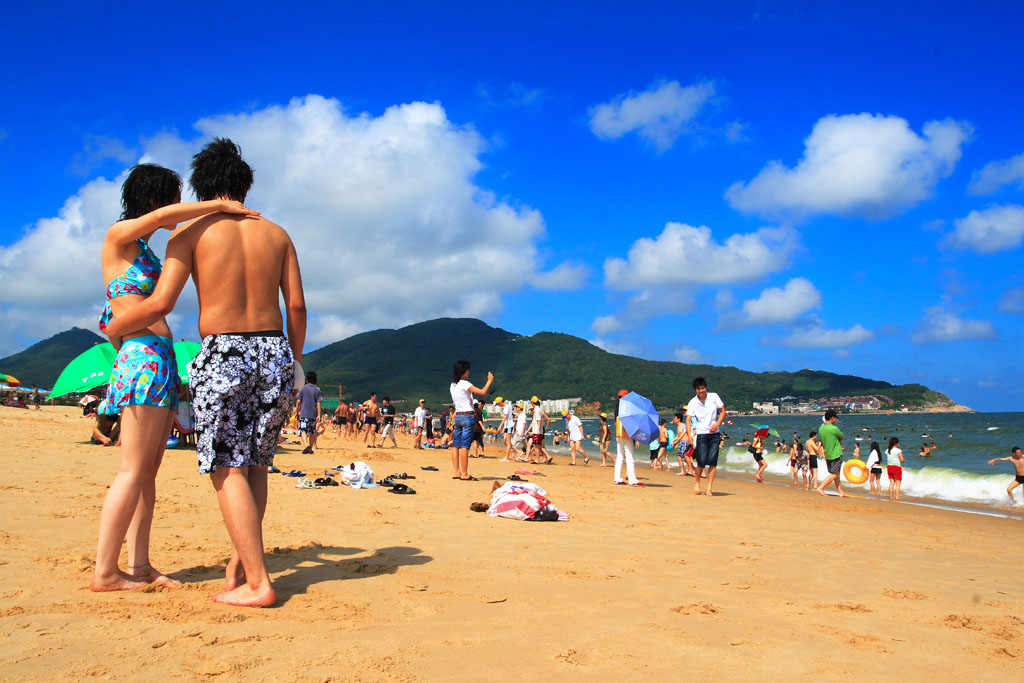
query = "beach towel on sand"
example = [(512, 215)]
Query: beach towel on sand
[(520, 501), (357, 475)]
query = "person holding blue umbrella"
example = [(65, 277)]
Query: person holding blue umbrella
[(708, 412), (623, 448)]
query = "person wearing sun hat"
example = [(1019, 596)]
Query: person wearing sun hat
[(538, 427), (419, 425), (604, 439), (575, 427), (506, 425)]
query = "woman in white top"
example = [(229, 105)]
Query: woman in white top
[(462, 433), (894, 468)]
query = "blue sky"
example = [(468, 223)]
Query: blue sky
[(765, 185)]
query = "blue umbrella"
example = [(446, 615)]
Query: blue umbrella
[(638, 417)]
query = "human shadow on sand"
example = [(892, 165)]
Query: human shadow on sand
[(294, 570)]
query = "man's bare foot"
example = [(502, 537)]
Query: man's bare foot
[(151, 574), (709, 493), (697, 491), (118, 582), (821, 492), (234, 575), (682, 474), (244, 596), (842, 495)]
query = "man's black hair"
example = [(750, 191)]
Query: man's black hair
[(311, 377), (219, 171), (386, 398), (829, 414), (699, 382), (147, 188)]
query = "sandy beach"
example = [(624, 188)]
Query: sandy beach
[(759, 582)]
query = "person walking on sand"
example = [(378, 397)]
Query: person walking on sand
[(242, 378), (308, 408), (419, 418), (682, 444), (894, 469), (507, 425), (604, 438), (387, 414), (1017, 460), (798, 463), (144, 382), (575, 428), (708, 412), (462, 391), (538, 427), (624, 446), (372, 412), (832, 448)]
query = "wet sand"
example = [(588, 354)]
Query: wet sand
[(758, 582)]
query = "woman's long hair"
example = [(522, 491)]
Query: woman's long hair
[(458, 370), (147, 188)]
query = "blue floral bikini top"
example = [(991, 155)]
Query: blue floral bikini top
[(140, 278)]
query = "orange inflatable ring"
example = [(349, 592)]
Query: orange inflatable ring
[(861, 474)]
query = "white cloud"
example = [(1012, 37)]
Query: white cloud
[(1012, 301), (388, 223), (659, 114), (607, 324), (994, 175), (99, 148), (562, 276), (856, 165), (688, 354), (723, 299), (622, 348), (940, 326), (841, 353), (777, 304), (814, 335), (989, 230), (684, 255)]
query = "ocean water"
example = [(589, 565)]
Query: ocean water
[(956, 472)]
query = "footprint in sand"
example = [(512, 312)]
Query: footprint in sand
[(696, 608), (905, 594)]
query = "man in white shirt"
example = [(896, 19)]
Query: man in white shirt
[(575, 427), (707, 413), (419, 423), (519, 439)]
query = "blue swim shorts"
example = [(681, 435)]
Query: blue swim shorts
[(145, 374)]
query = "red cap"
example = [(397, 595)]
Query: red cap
[(622, 392)]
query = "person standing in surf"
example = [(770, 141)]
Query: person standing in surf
[(832, 448), (1017, 460), (708, 412)]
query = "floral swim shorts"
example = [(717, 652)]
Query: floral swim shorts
[(242, 389), (145, 374)]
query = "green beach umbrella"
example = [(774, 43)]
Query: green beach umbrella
[(89, 369), (184, 352)]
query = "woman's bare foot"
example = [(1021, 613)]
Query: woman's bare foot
[(697, 491), (245, 596), (151, 574), (117, 582)]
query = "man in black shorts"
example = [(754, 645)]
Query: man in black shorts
[(813, 449)]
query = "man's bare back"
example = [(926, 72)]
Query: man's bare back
[(239, 268)]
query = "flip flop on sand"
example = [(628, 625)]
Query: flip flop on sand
[(468, 478), (402, 489), (430, 468)]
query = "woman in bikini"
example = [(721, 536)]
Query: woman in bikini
[(144, 382)]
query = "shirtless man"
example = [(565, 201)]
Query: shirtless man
[(813, 449), (242, 378), (1017, 460), (372, 412), (341, 418)]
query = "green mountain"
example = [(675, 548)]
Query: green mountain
[(41, 363), (415, 362)]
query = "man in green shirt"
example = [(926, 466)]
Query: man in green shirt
[(832, 446)]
